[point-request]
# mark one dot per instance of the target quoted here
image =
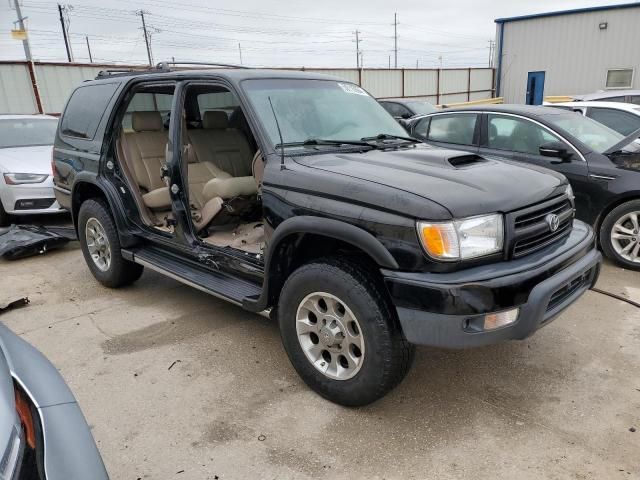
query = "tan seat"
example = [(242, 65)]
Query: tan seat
[(227, 148), (144, 150)]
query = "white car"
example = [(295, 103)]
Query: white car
[(26, 181), (624, 118)]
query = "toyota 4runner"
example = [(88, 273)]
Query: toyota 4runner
[(298, 195)]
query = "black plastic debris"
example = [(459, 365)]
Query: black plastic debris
[(21, 302), (19, 241)]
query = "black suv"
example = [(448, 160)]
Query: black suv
[(299, 195)]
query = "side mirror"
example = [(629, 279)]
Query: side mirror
[(555, 150), (405, 116)]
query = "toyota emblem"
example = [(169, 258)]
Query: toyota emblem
[(553, 221)]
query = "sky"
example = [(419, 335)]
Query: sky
[(303, 33)]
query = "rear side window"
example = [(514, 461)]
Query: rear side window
[(622, 122), (454, 128), (85, 109)]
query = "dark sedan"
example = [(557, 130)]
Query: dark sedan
[(602, 165)]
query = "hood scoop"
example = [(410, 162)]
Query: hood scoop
[(462, 161)]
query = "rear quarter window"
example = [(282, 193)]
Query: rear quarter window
[(85, 110)]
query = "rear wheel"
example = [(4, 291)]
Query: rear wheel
[(620, 235), (341, 332), (101, 246)]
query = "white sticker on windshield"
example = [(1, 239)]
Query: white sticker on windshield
[(350, 88)]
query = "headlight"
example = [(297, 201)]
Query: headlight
[(462, 239), (569, 192), (20, 178), (11, 456)]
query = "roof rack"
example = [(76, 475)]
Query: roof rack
[(119, 72), (165, 65)]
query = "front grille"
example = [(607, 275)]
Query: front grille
[(531, 228), (568, 289), (34, 203)]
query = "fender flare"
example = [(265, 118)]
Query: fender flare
[(327, 227), (111, 196)]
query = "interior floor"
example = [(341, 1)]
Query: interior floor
[(248, 237)]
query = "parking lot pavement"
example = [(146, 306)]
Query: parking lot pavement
[(178, 384)]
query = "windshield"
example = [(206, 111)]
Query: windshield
[(27, 132), (319, 109), (421, 108), (593, 134)]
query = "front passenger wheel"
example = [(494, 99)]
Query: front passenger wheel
[(341, 332), (620, 235), (101, 246)]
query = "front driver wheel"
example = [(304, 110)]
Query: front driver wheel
[(620, 235), (101, 246), (341, 332)]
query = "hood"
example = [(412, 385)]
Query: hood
[(463, 183), (26, 159)]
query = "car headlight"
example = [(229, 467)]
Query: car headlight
[(11, 456), (462, 239), (20, 178)]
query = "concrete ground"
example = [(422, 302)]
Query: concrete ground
[(178, 384)]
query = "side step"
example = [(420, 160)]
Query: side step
[(190, 273)]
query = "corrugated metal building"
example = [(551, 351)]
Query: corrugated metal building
[(568, 53)]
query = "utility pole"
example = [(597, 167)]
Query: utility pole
[(491, 48), (25, 42), (86, 37), (417, 63), (240, 51), (389, 62), (357, 33), (65, 32), (146, 36), (395, 39)]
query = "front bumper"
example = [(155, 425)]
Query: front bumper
[(444, 310), (28, 199)]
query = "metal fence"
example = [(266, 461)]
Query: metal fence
[(43, 87)]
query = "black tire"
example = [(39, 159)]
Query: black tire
[(606, 230), (387, 355), (5, 219), (120, 272)]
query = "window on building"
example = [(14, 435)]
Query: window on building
[(620, 78)]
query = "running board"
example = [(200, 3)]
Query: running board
[(209, 281)]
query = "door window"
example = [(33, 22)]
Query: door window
[(421, 128), (517, 135), (618, 120), (453, 128)]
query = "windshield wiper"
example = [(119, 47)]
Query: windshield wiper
[(313, 142), (388, 136)]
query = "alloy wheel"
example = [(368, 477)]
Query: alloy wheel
[(330, 336), (98, 244)]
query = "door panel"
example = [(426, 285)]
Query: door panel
[(535, 88)]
